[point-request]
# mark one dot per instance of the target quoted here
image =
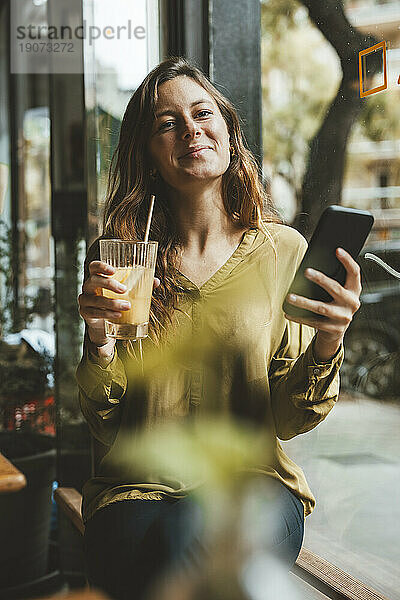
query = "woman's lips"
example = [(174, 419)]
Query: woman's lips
[(195, 153)]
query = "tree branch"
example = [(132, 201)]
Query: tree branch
[(323, 179)]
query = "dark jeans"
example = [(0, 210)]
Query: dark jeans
[(129, 543)]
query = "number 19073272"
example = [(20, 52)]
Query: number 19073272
[(46, 47)]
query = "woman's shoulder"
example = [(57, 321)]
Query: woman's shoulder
[(285, 237)]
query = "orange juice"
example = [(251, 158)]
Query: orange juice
[(139, 281), (134, 264)]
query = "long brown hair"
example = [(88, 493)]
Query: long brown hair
[(130, 185)]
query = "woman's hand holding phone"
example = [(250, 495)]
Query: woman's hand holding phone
[(338, 314)]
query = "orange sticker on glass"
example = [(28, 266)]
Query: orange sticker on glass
[(362, 56)]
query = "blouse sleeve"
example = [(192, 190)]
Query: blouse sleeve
[(303, 391), (100, 392), (100, 389)]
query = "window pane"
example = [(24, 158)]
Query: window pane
[(5, 206), (27, 346), (351, 459), (110, 81), (38, 244)]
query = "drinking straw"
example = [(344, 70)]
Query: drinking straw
[(146, 235), (146, 239)]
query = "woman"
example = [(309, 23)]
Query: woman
[(221, 247)]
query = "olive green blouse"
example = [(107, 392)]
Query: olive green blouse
[(238, 311)]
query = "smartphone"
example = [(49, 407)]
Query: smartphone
[(338, 227)]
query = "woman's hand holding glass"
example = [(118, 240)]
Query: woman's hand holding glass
[(337, 314), (94, 307)]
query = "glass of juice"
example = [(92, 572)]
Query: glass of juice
[(135, 265)]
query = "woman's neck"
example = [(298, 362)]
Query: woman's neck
[(201, 220)]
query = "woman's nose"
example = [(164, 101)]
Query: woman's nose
[(190, 128)]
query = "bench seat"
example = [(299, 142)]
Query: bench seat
[(316, 577)]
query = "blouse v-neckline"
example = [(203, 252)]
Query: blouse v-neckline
[(228, 265)]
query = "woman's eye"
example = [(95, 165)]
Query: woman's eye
[(166, 123)]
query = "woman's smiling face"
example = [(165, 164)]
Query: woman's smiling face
[(187, 116)]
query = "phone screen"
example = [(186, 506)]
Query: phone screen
[(338, 227)]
